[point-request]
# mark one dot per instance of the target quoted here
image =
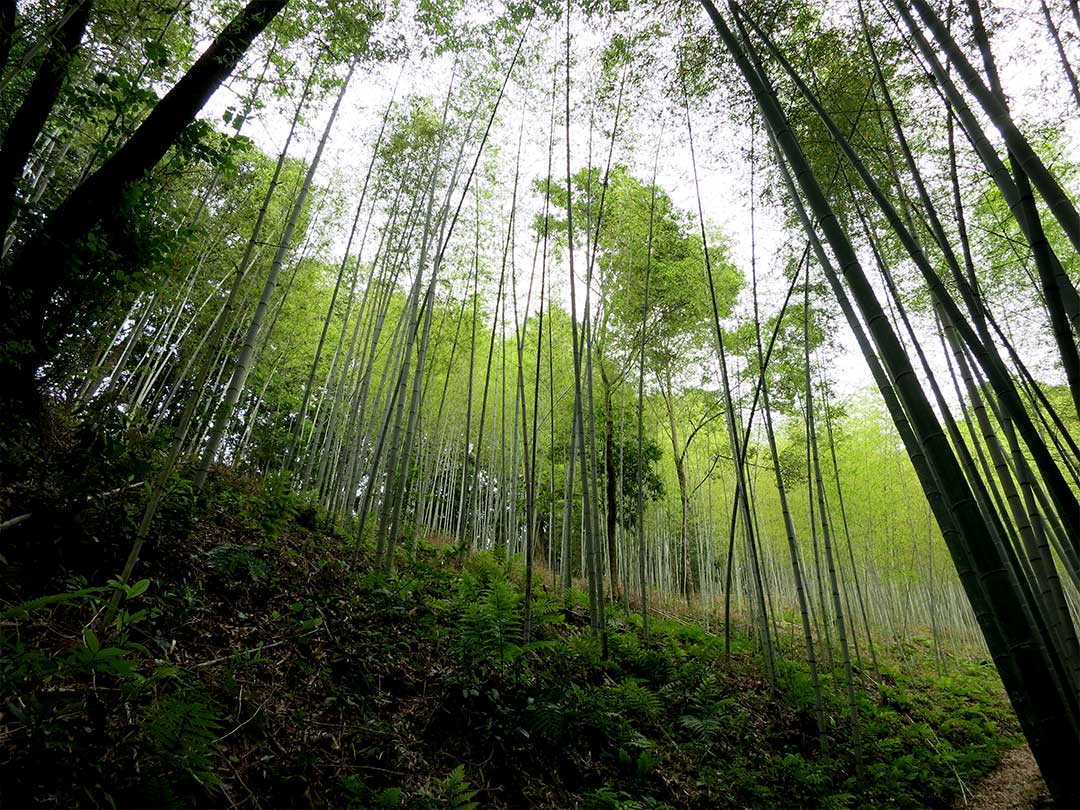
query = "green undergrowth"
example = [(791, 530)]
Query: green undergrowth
[(254, 663)]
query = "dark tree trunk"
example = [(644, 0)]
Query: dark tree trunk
[(33, 310), (30, 119), (610, 485), (7, 31)]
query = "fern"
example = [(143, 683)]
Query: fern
[(482, 569), (606, 798), (545, 611), (455, 793), (502, 610), (720, 718), (704, 729), (547, 721), (708, 691), (490, 610), (631, 698), (277, 507), (585, 647), (490, 626), (238, 564), (602, 798), (183, 731), (158, 793)]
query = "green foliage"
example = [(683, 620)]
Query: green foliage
[(490, 622), (238, 564), (454, 792), (607, 798), (718, 719), (603, 798), (636, 701), (429, 666), (266, 511), (22, 611), (243, 593), (630, 467), (118, 657), (106, 693), (547, 721), (803, 780), (680, 312), (389, 798), (490, 625), (182, 730), (276, 508)]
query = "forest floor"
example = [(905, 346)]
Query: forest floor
[(1015, 784), (260, 662)]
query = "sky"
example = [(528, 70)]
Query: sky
[(655, 130)]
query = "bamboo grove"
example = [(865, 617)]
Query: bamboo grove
[(495, 309)]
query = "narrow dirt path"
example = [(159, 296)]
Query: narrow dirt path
[(1015, 784)]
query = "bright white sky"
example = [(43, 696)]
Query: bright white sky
[(1031, 73)]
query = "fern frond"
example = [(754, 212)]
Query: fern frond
[(703, 729), (183, 730), (637, 700), (455, 792), (490, 627), (548, 721)]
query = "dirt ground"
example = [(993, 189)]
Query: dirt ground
[(1015, 784)]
